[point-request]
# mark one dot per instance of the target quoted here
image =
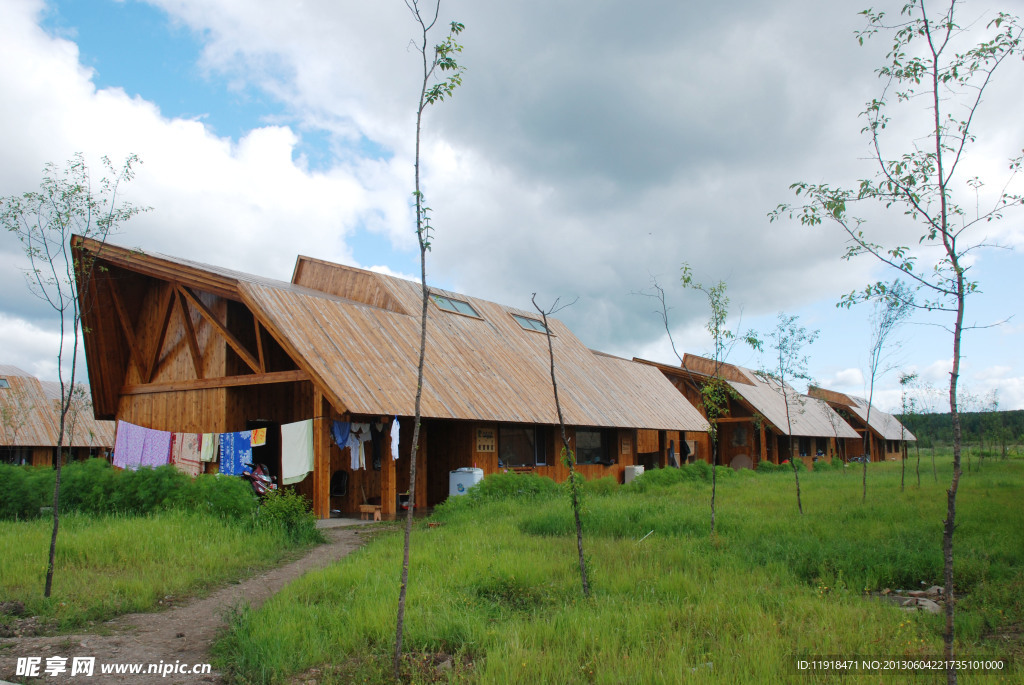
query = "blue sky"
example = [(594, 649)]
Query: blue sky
[(589, 149)]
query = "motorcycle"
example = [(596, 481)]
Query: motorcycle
[(260, 479)]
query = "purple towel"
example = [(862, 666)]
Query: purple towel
[(137, 446)]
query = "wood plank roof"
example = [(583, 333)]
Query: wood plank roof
[(810, 417), (883, 424), (356, 333), (32, 409)]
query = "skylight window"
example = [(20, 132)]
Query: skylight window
[(4, 383), (530, 324), (450, 304)]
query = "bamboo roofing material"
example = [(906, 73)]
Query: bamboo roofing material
[(27, 423), (84, 429), (810, 417), (35, 405), (883, 424), (357, 335)]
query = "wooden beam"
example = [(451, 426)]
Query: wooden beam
[(190, 335), (228, 336), (321, 456), (224, 382), (126, 327), (259, 345), (734, 419), (154, 359)]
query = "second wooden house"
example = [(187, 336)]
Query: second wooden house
[(755, 427), (887, 437)]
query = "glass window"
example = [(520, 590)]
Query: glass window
[(4, 383), (820, 447), (805, 447), (530, 324), (452, 305), (594, 446), (523, 445)]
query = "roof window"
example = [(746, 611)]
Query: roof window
[(450, 304), (4, 383), (530, 324)]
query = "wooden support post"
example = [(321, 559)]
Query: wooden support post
[(764, 445), (321, 456), (388, 485)]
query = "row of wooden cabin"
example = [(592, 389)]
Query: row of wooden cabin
[(30, 422), (179, 346)]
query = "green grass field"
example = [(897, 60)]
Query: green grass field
[(495, 593), (110, 565)]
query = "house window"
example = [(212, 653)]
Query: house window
[(4, 383), (805, 447), (450, 304), (820, 446), (739, 436), (530, 324), (523, 445), (594, 446)]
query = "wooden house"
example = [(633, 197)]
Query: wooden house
[(30, 422), (755, 427), (888, 437), (180, 346)]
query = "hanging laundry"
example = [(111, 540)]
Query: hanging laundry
[(185, 449), (394, 439), (208, 451), (296, 451), (259, 437), (235, 453), (136, 446), (358, 434), (339, 431)]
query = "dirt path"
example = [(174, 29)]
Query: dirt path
[(179, 635)]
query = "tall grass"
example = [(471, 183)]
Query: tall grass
[(495, 588), (117, 564)]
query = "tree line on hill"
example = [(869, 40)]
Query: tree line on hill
[(995, 431)]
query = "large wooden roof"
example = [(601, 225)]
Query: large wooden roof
[(356, 334), (883, 424), (31, 411)]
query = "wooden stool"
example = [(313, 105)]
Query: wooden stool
[(368, 511)]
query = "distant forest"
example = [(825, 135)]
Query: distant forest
[(989, 430)]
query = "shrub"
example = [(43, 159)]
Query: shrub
[(502, 486), (94, 487), (601, 486), (289, 511), (768, 467)]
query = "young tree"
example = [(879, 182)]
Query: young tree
[(716, 392), (568, 455), (788, 340), (441, 58), (906, 379), (66, 204), (932, 63), (890, 312)]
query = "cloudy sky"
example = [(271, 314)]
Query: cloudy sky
[(592, 147)]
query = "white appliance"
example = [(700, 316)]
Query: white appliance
[(461, 480)]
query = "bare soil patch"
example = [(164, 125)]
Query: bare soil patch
[(181, 634)]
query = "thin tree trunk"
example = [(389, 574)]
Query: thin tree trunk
[(425, 291), (569, 459), (714, 479), (917, 468), (903, 465)]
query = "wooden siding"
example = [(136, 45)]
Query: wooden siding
[(352, 284)]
